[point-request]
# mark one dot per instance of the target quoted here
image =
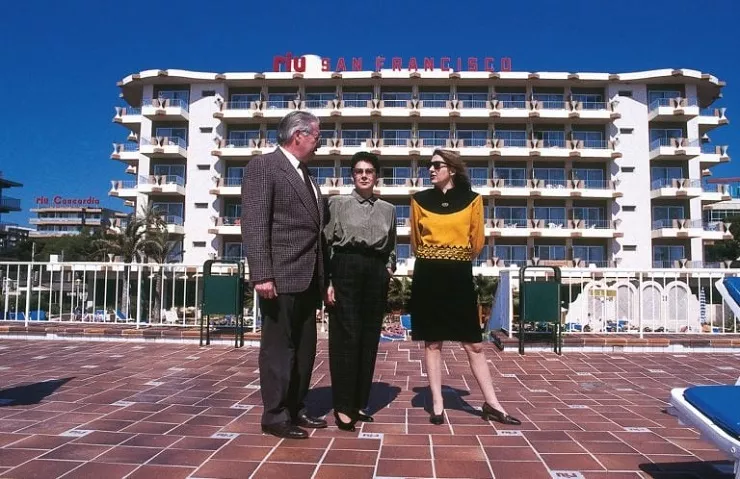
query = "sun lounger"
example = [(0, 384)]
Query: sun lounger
[(714, 411)]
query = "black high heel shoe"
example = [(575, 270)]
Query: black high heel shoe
[(437, 419), (361, 416), (491, 414), (344, 426)]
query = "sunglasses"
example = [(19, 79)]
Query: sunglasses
[(437, 165), (361, 171)]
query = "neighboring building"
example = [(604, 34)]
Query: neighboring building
[(574, 168), (12, 235), (60, 216), (7, 203)]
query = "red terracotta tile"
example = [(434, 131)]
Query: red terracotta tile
[(284, 470), (42, 469), (161, 472), (180, 457), (343, 472), (571, 462), (404, 468), (101, 470), (226, 469), (351, 457), (128, 455)]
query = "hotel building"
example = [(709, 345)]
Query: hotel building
[(65, 217), (576, 169), (10, 234)]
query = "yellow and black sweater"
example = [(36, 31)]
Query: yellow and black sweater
[(447, 225)]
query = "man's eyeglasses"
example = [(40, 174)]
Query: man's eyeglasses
[(437, 165), (365, 171), (316, 137)]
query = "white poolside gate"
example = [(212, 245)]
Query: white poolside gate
[(611, 300)]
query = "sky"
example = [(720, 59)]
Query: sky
[(60, 60)]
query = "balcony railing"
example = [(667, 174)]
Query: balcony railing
[(433, 103), (552, 143), (677, 223), (713, 226), (171, 180), (473, 104), (238, 143), (594, 105), (474, 142), (513, 104), (512, 142), (130, 111), (166, 103), (552, 184), (232, 181), (514, 222), (395, 142), (514, 182), (230, 220), (396, 181), (173, 220), (552, 104), (675, 183), (672, 103), (594, 184), (595, 224), (594, 144), (279, 104), (354, 141), (673, 143), (127, 147), (10, 203), (355, 103), (434, 141), (395, 103)]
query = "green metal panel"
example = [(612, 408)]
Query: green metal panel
[(541, 301), (222, 295)]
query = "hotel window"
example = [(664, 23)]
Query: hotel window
[(590, 101), (593, 217), (550, 101), (513, 177), (395, 137), (205, 93), (511, 254), (625, 93), (434, 137), (403, 252), (271, 137), (482, 258), (199, 244), (658, 98), (662, 176), (327, 133), (663, 216), (395, 175), (552, 216), (403, 214), (233, 250), (280, 100), (179, 98), (512, 138), (664, 256), (232, 212), (551, 138), (662, 137), (322, 174), (395, 99), (590, 139), (551, 177), (595, 255), (355, 137), (356, 99), (513, 216), (319, 100), (591, 177), (512, 100), (234, 176), (434, 99), (473, 100), (174, 251), (472, 137), (243, 101), (172, 213), (241, 138), (171, 173), (550, 252), (175, 136), (478, 175)]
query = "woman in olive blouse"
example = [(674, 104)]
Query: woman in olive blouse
[(447, 233), (361, 234)]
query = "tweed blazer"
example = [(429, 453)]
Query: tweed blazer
[(281, 224)]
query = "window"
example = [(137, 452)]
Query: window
[(355, 137), (482, 258), (512, 100), (663, 216), (551, 177), (590, 101), (172, 213), (170, 173), (233, 250), (199, 244), (478, 175), (434, 137), (473, 99), (395, 175), (176, 136), (553, 216), (591, 177), (206, 129), (590, 254), (630, 247), (403, 213), (662, 176), (664, 256), (395, 99), (201, 206), (550, 252), (242, 101), (550, 101), (242, 138), (593, 217), (356, 99), (473, 137), (434, 99), (234, 176), (322, 173), (179, 98), (661, 97), (232, 211), (204, 167), (395, 137), (629, 208), (551, 138), (590, 139), (319, 100), (513, 216), (403, 252), (205, 93), (626, 131), (511, 254), (627, 169), (625, 93), (512, 138), (513, 177), (280, 100)]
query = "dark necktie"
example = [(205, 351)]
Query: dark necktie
[(307, 180)]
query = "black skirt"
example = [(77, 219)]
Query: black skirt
[(443, 303)]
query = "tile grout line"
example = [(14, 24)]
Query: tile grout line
[(264, 459), (321, 459)]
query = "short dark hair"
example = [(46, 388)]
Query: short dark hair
[(366, 156)]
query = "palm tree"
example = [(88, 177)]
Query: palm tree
[(133, 244), (159, 250), (399, 294)]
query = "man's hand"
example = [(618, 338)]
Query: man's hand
[(266, 289), (330, 300)]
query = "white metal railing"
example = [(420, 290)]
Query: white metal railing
[(667, 299), (675, 183), (673, 143)]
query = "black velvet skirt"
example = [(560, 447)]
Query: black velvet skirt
[(443, 303)]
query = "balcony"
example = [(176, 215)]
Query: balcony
[(710, 118), (123, 189), (715, 193), (714, 154), (227, 186), (226, 225), (174, 224), (576, 228), (129, 117), (673, 109), (8, 204), (516, 188), (675, 188), (677, 228), (239, 111), (165, 109), (164, 147), (128, 152), (716, 231), (163, 184), (674, 149)]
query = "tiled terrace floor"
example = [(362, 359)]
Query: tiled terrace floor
[(123, 409)]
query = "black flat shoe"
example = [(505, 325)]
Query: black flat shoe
[(491, 414), (344, 426), (284, 430), (361, 416), (437, 419), (304, 420)]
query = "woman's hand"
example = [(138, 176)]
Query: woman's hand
[(330, 300)]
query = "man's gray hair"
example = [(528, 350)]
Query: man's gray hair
[(293, 122)]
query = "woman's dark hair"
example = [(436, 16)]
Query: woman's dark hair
[(366, 156), (456, 165)]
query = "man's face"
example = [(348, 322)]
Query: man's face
[(308, 142)]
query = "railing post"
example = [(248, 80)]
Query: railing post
[(639, 304), (255, 310), (28, 292), (138, 297)]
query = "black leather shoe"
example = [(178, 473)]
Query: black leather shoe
[(489, 413), (361, 416), (284, 430), (437, 419), (344, 426), (304, 420)]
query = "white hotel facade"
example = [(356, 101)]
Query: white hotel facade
[(575, 168)]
